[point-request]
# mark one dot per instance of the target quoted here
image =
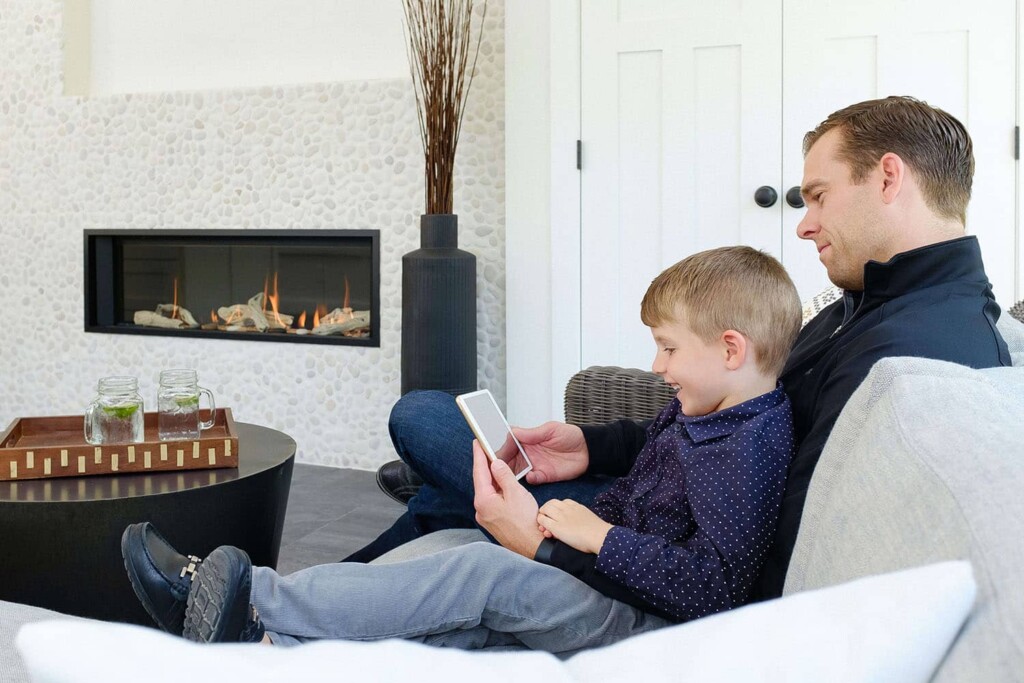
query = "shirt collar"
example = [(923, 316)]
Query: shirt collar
[(956, 259), (726, 422)]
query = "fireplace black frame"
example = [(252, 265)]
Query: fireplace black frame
[(102, 286)]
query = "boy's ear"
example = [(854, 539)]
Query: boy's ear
[(735, 346)]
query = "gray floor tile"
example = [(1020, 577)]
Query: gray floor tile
[(301, 555), (295, 529), (331, 513)]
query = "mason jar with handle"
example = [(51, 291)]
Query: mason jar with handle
[(116, 415), (178, 406)]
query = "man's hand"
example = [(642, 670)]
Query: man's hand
[(503, 506), (557, 450), (573, 524)]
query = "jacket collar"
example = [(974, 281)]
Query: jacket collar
[(956, 259)]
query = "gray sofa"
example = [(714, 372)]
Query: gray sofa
[(926, 463)]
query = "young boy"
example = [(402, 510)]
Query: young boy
[(682, 535)]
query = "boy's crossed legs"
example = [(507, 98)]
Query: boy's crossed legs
[(473, 596)]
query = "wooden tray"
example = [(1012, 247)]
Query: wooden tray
[(44, 447)]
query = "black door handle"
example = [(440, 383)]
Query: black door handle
[(793, 197), (765, 196)]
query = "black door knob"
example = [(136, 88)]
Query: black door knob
[(793, 197), (765, 196)]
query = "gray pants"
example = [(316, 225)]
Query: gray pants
[(473, 596)]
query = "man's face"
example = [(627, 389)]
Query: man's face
[(843, 218), (691, 366)]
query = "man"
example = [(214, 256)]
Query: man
[(886, 183)]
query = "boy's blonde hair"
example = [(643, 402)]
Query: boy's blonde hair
[(730, 288)]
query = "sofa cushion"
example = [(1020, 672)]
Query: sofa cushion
[(848, 633), (12, 617), (1013, 333), (924, 464)]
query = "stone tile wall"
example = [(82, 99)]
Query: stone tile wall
[(325, 155)]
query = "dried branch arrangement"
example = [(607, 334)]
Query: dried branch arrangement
[(440, 34)]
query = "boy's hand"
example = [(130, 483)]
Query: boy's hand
[(503, 506), (573, 524), (557, 450)]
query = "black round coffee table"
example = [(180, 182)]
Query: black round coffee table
[(60, 539)]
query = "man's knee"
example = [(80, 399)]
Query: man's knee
[(414, 418), (419, 405)]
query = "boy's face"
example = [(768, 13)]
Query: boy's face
[(694, 368)]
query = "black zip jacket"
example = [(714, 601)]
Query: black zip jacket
[(933, 302)]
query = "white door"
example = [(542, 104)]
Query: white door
[(688, 107), (954, 55), (681, 123)]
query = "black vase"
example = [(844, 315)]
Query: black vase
[(439, 310)]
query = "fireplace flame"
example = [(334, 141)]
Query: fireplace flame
[(246, 316), (174, 304), (273, 298)]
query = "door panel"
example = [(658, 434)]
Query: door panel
[(681, 124)]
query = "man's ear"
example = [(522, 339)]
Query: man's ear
[(735, 347), (894, 173)]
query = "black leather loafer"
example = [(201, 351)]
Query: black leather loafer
[(398, 481), (218, 604), (160, 575)]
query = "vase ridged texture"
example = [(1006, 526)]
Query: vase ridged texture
[(439, 310)]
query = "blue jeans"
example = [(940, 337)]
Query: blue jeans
[(432, 437), (474, 596)]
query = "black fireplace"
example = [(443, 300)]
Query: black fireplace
[(303, 286)]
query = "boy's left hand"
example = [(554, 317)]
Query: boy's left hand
[(573, 524)]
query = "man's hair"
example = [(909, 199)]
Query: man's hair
[(730, 288), (933, 144)]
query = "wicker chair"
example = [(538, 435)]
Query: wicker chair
[(601, 394)]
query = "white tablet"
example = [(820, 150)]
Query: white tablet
[(492, 430)]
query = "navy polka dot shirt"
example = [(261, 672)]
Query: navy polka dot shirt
[(696, 513)]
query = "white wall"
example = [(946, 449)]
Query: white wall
[(527, 235), (542, 109), (169, 45), (311, 156)]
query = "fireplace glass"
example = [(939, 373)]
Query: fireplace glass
[(306, 286)]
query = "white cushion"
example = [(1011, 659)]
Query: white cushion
[(891, 627), (894, 627)]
